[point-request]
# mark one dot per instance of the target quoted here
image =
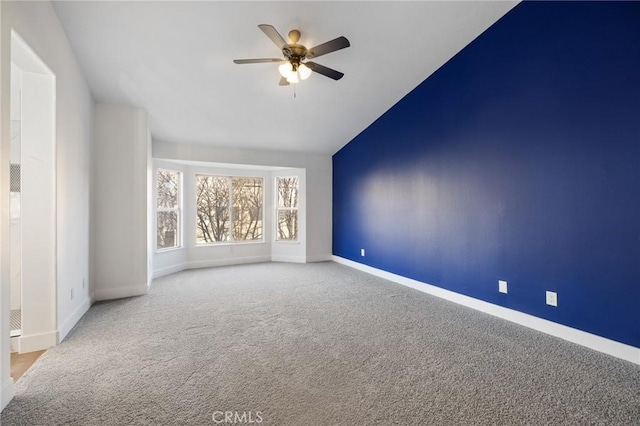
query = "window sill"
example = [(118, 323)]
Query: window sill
[(230, 243), (169, 250)]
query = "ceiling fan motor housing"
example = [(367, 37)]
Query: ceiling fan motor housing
[(294, 52)]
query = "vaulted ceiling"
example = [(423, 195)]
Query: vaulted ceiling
[(174, 59)]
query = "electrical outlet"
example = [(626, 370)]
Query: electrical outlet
[(71, 294), (362, 252), (552, 298), (502, 286)]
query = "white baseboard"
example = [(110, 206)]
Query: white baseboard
[(37, 342), (320, 258), (170, 270), (209, 264), (73, 319), (6, 393), (288, 259), (592, 341), (236, 261), (120, 292), (227, 261), (14, 345)]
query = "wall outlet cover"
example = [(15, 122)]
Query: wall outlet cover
[(502, 286), (552, 298)]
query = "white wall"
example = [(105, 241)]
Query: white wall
[(16, 225), (120, 202), (150, 205), (315, 206), (38, 25), (6, 383), (38, 213), (16, 86)]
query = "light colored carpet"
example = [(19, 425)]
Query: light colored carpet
[(316, 344)]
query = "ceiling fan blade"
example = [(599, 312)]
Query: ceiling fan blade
[(273, 34), (321, 69), (283, 82), (328, 47), (258, 61)]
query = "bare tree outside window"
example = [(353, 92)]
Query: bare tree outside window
[(247, 209), (228, 209), (287, 211), (212, 209), (168, 208)]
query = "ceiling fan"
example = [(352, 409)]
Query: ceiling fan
[(294, 65)]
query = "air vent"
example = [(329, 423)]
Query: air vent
[(15, 178)]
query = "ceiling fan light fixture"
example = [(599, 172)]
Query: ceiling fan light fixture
[(293, 78), (304, 71), (286, 70), (292, 69)]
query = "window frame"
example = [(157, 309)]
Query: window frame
[(230, 240), (178, 209), (276, 191)]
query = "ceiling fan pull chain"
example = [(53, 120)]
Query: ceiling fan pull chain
[(294, 90)]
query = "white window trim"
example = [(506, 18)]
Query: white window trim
[(230, 241), (177, 209), (278, 208)]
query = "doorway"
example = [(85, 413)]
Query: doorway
[(33, 200)]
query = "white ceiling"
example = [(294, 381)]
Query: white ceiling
[(174, 59)]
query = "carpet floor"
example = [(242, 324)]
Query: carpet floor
[(314, 344)]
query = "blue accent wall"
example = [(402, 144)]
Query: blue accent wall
[(517, 160)]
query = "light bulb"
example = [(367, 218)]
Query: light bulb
[(293, 78), (286, 70), (304, 71)]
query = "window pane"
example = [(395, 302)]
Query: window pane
[(247, 209), (167, 229), (212, 209), (287, 224), (288, 192), (168, 184)]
